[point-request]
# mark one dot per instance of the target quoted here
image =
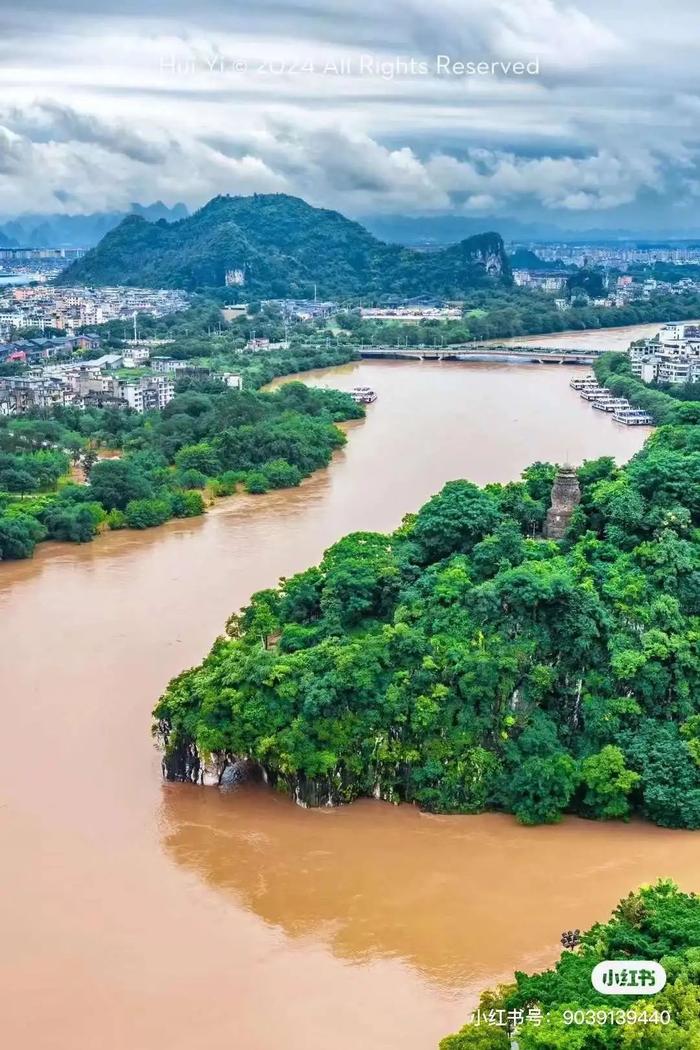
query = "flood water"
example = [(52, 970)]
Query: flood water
[(138, 915), (617, 339)]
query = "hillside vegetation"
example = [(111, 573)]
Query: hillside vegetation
[(462, 664), (285, 248)]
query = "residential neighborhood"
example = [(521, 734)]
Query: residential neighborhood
[(130, 378), (672, 357), (39, 306)]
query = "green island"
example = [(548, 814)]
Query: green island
[(465, 662), (209, 441), (559, 1008)]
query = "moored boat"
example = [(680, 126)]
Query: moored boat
[(583, 382), (611, 404), (633, 417), (363, 395)]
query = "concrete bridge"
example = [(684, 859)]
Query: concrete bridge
[(541, 355)]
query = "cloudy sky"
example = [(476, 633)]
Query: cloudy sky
[(349, 104)]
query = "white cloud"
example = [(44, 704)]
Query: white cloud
[(610, 119)]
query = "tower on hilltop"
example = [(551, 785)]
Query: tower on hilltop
[(566, 496)]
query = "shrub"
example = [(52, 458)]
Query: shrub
[(116, 519), (74, 523), (187, 504), (145, 513), (227, 483), (19, 534), (257, 483), (191, 479), (201, 457), (281, 474)]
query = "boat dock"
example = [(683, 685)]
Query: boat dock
[(588, 388)]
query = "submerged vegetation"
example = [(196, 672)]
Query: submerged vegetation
[(560, 1008), (465, 663)]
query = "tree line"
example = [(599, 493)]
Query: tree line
[(209, 441)]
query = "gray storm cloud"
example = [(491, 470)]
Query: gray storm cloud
[(50, 122), (138, 102)]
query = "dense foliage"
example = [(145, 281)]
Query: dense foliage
[(463, 664), (211, 438), (657, 923), (499, 313), (588, 282), (285, 248)]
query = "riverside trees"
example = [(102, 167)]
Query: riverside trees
[(657, 923), (217, 439), (462, 664)]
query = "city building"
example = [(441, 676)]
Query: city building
[(67, 309), (544, 280), (672, 357), (145, 393), (233, 312), (412, 314), (235, 382), (167, 364)]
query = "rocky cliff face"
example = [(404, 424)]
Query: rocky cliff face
[(184, 762)]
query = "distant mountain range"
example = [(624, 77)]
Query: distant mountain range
[(273, 246), (422, 231), (428, 230), (77, 231)]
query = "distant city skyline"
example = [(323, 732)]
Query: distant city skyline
[(581, 115)]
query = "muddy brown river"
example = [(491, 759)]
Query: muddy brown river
[(136, 915)]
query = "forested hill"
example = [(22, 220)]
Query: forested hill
[(464, 665), (284, 248)]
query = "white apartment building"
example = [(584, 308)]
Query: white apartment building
[(666, 366), (167, 364), (146, 393), (674, 358), (16, 319), (672, 333), (136, 355), (411, 314), (678, 369), (647, 370)]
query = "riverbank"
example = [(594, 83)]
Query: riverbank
[(63, 524), (212, 443)]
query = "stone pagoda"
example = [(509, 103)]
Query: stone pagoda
[(566, 496)]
